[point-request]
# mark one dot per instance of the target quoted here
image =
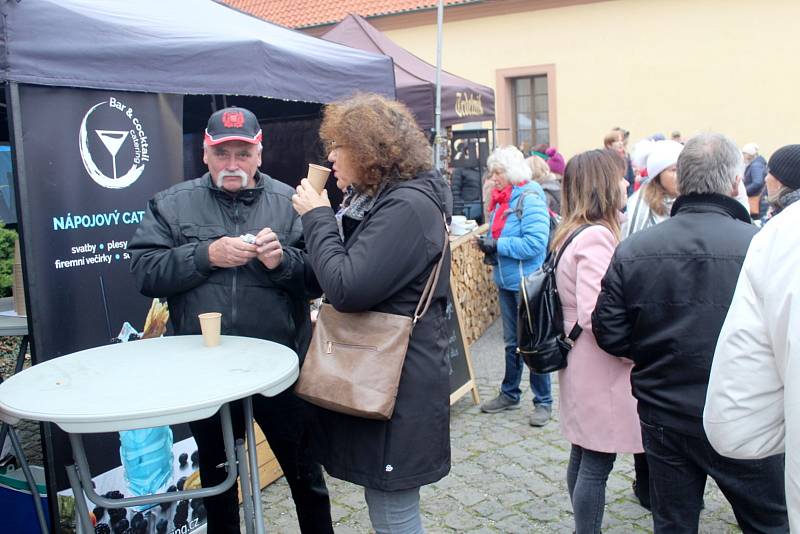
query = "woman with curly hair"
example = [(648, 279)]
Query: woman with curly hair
[(378, 258), (516, 245)]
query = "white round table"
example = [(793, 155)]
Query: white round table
[(150, 383)]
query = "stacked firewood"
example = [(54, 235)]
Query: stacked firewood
[(473, 286)]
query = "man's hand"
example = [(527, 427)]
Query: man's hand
[(269, 249), (306, 198), (230, 252)]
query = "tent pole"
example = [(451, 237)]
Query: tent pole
[(437, 143)]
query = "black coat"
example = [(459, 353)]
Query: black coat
[(466, 185), (663, 300), (383, 266), (169, 258)]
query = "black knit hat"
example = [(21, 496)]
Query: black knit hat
[(785, 166)]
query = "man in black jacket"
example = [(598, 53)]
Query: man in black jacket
[(662, 304), (466, 187), (193, 248)]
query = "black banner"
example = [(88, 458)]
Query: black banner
[(92, 160)]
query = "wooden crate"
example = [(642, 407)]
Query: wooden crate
[(473, 285), (268, 468)]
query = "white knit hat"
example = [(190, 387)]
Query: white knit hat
[(663, 155), (751, 149), (640, 152)]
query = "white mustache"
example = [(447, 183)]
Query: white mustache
[(220, 178)]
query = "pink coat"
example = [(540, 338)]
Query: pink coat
[(596, 407)]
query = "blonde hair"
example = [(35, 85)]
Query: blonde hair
[(590, 193), (653, 193), (612, 137), (540, 169)]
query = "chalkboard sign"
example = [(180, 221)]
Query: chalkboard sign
[(462, 379)]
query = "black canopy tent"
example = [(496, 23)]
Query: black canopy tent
[(206, 52), (187, 47), (180, 46), (462, 100)]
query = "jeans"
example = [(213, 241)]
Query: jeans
[(540, 383), (679, 465), (642, 474), (281, 420), (394, 512), (587, 474)]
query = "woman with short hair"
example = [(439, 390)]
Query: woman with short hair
[(516, 245), (549, 182), (379, 258), (596, 407)]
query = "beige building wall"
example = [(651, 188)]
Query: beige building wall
[(649, 66)]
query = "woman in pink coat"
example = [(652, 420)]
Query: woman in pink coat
[(597, 410)]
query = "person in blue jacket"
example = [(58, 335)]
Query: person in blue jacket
[(755, 173), (516, 244)]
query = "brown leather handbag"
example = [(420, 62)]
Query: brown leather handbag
[(354, 363)]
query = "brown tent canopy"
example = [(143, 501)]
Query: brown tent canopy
[(415, 80)]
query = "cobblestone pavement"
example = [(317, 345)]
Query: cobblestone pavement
[(506, 477)]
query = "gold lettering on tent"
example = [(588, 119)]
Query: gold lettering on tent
[(468, 104)]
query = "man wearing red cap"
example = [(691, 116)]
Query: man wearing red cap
[(227, 242)]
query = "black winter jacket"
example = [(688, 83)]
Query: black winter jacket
[(466, 185), (169, 258), (663, 300), (383, 265)]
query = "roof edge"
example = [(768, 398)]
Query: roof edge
[(401, 12)]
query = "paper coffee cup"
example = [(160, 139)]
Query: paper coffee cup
[(210, 325), (318, 175)]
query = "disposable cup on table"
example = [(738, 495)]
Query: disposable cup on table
[(210, 326)]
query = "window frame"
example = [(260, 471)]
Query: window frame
[(506, 101)]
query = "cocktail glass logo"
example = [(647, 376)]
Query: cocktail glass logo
[(104, 166)]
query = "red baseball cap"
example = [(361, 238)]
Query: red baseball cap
[(233, 124)]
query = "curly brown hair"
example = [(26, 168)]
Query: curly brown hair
[(382, 137)]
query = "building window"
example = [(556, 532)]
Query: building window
[(531, 113)]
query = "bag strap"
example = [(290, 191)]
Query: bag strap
[(519, 207), (575, 332), (427, 294), (574, 234), (576, 329)]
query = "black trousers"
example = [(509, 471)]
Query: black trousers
[(679, 466), (282, 419)]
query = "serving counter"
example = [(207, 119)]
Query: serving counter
[(472, 285)]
